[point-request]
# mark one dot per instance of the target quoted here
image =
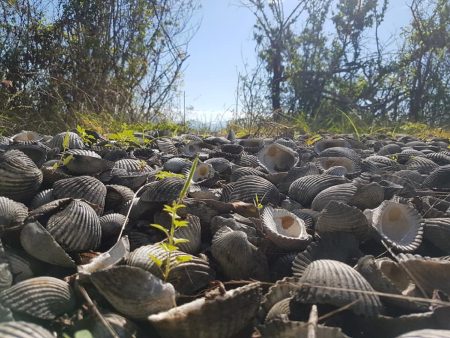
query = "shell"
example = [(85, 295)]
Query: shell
[(341, 152), (39, 297), (203, 171), (21, 329), (124, 327), (339, 193), (193, 233), (340, 217), (398, 224), (192, 148), (86, 162), (166, 146), (111, 225), (143, 294), (20, 178), (277, 158), (221, 317), (351, 166), (323, 144), (26, 136), (237, 257), (421, 164), (37, 152), (41, 198), (279, 310), (245, 171), (37, 242), (187, 277), (75, 141), (305, 189), (116, 196), (252, 145), (285, 229), (296, 173), (342, 278), (87, 188), (339, 246), (247, 188), (177, 164), (12, 213), (165, 190), (438, 178), (426, 333), (76, 228), (437, 231)]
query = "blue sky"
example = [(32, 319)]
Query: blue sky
[(224, 43)]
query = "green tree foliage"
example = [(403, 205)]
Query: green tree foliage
[(63, 57), (321, 58)]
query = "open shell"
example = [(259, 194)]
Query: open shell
[(220, 317), (134, 291), (285, 229), (276, 157), (39, 297), (398, 224)]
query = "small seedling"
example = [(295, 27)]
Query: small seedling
[(87, 138), (64, 160), (166, 174)]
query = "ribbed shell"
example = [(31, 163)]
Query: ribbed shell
[(23, 330), (193, 233), (335, 274), (437, 231), (39, 297), (305, 189), (192, 148), (340, 217), (237, 257), (341, 152), (279, 310), (284, 229), (245, 171), (421, 164), (37, 152), (26, 136), (339, 246), (124, 327), (398, 224), (297, 172), (203, 171), (75, 141), (132, 166), (186, 277), (177, 164), (323, 144), (247, 160), (295, 329), (12, 213), (166, 146), (389, 149), (41, 198), (247, 188), (439, 158), (221, 165), (87, 188), (20, 267), (276, 157), (340, 193), (76, 228), (37, 242), (221, 317), (336, 171), (426, 333), (111, 225), (367, 196), (165, 190), (20, 178), (382, 162), (116, 196), (133, 291), (86, 162), (439, 178)]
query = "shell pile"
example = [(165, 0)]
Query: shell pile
[(343, 238)]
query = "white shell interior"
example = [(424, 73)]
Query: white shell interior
[(276, 158), (287, 224)]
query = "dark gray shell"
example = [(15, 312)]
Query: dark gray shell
[(116, 196), (76, 228), (133, 291), (86, 162), (39, 297), (165, 190), (220, 317), (237, 257), (87, 188), (421, 164), (305, 189), (186, 277), (438, 178), (111, 225), (37, 242), (177, 164), (437, 231), (323, 144), (37, 152), (339, 193), (245, 171), (341, 277), (75, 141), (41, 198), (351, 166), (247, 188), (426, 333), (20, 178), (341, 152), (166, 146), (193, 233), (12, 213), (276, 157), (21, 329)]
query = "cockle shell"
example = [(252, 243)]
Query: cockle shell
[(75, 141), (276, 157), (220, 317), (285, 229), (134, 291), (12, 213), (323, 144), (22, 329), (247, 188), (86, 162)]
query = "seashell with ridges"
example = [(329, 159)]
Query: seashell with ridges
[(340, 193), (245, 171), (351, 166), (279, 310), (220, 317), (426, 333), (367, 196), (284, 328), (398, 224), (381, 162), (22, 329), (57, 141), (166, 145), (133, 291), (437, 231), (192, 148), (237, 257), (421, 164), (26, 137), (341, 152), (202, 172), (37, 152), (12, 213), (85, 162), (41, 198), (321, 275), (247, 188), (252, 145), (177, 165), (440, 158), (116, 196), (438, 178), (339, 246), (193, 233), (284, 229), (305, 189), (389, 149), (296, 173), (76, 228), (221, 165), (336, 171), (276, 157), (340, 217), (166, 190), (123, 327), (39, 297), (323, 144), (111, 225), (20, 264), (187, 277), (87, 188), (38, 242), (20, 178), (247, 160)]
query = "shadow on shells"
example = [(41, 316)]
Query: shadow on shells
[(221, 316)]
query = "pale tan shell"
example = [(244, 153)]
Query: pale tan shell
[(285, 229), (133, 291), (220, 317)]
